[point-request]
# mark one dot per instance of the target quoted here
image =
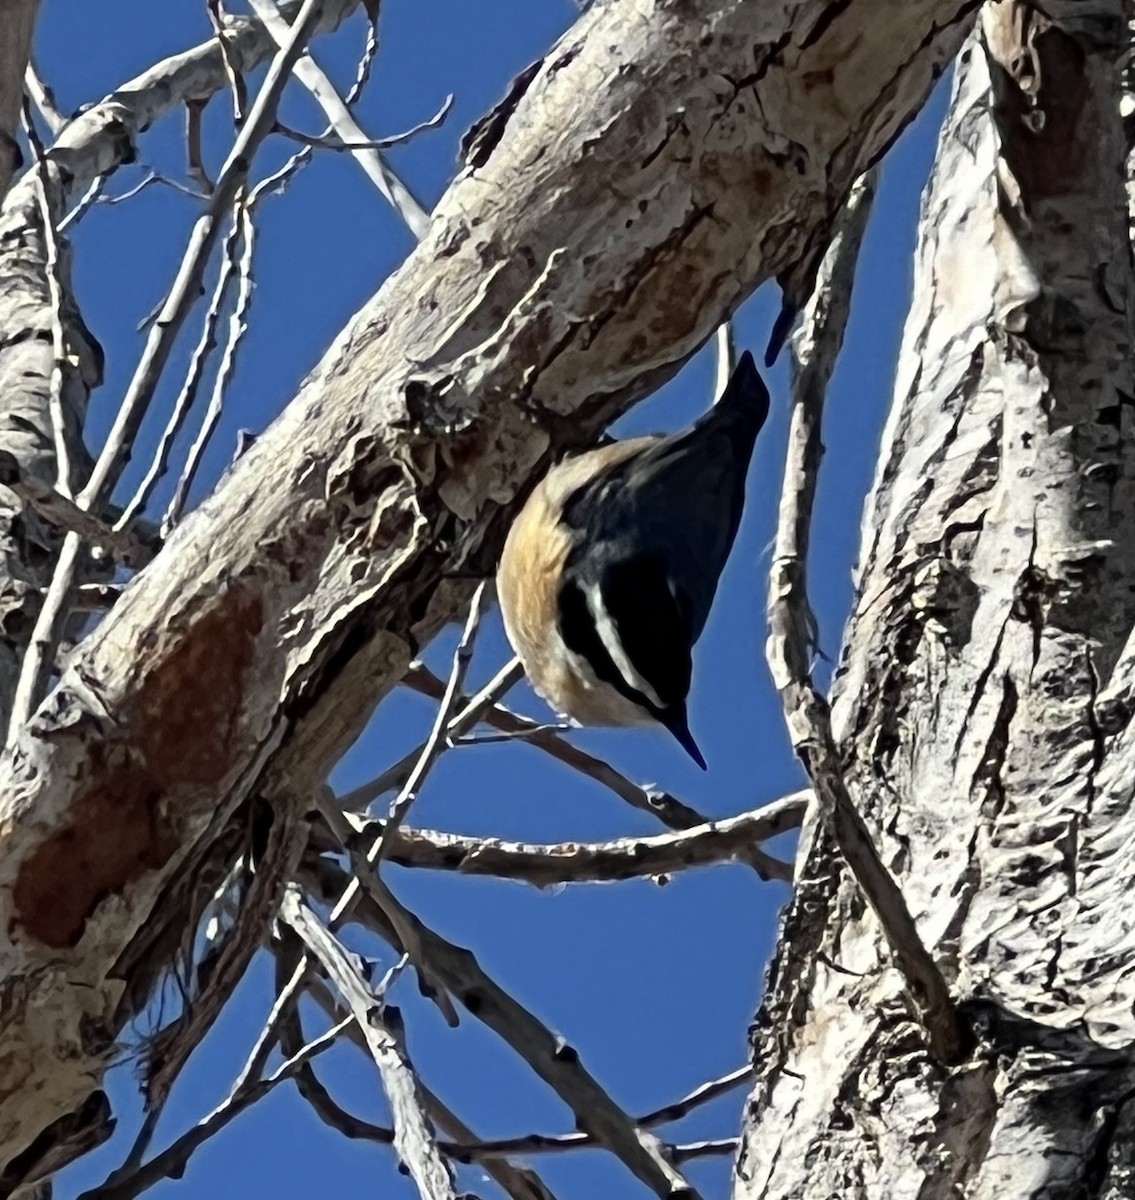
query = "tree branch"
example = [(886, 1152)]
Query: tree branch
[(413, 1137), (727, 840), (548, 1054), (791, 630)]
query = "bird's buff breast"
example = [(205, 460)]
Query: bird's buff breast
[(529, 608)]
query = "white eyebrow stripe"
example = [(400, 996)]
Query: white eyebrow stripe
[(609, 636)]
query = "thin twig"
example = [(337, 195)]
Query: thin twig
[(465, 1147), (791, 636), (414, 1138), (206, 343), (519, 735), (237, 89), (186, 286), (662, 805), (310, 1086), (436, 742), (171, 1162), (669, 810), (312, 77), (324, 142), (86, 200), (727, 840), (237, 327), (151, 177), (707, 1149), (44, 100), (365, 877), (516, 1181)]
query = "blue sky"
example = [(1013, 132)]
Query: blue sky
[(654, 985)]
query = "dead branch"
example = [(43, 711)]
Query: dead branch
[(791, 631), (44, 100), (548, 1054), (171, 1161), (413, 1137), (308, 72), (728, 840)]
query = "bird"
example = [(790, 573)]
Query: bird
[(609, 570)]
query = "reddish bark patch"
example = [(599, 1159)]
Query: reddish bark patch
[(184, 721), (1049, 148), (188, 710), (115, 834)]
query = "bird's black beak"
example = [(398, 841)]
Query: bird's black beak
[(678, 724)]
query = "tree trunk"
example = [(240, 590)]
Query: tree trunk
[(984, 699)]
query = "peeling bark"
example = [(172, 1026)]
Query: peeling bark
[(983, 700), (667, 157)]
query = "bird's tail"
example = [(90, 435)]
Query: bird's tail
[(744, 399)]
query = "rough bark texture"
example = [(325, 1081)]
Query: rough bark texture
[(667, 157), (15, 48), (984, 699)]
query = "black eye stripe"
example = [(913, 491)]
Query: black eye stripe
[(577, 628)]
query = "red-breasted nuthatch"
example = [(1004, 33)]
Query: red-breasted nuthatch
[(609, 571)]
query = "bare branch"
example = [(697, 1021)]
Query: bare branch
[(148, 180), (465, 1147), (727, 840), (413, 1138), (288, 607), (791, 631), (667, 808), (309, 74), (518, 1182), (205, 232), (323, 141), (237, 327), (171, 1162), (548, 1054), (89, 198), (206, 343), (44, 100), (662, 805), (116, 449), (436, 742), (237, 88)]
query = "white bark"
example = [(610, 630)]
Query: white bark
[(983, 702), (667, 157)]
